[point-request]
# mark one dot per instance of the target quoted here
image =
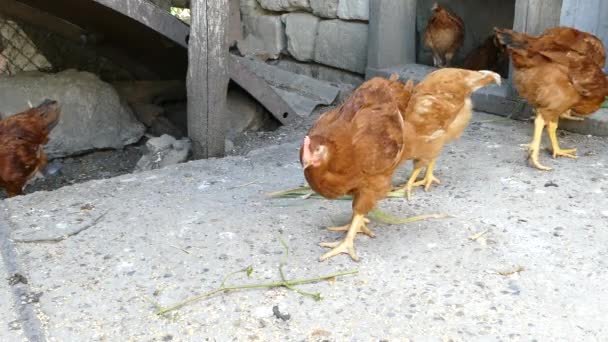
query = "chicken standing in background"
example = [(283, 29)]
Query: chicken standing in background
[(490, 55), (557, 72), (444, 35), (22, 137), (438, 112), (355, 149)]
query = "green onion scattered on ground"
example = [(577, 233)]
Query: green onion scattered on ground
[(289, 284), (305, 192)]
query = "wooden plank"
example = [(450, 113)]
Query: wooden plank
[(207, 79), (152, 16), (535, 16)]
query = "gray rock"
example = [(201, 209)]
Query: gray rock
[(251, 8), (285, 5), (228, 145), (596, 124), (301, 30), (353, 9), (342, 44), (92, 115), (244, 112), (325, 8), (164, 151), (264, 34)]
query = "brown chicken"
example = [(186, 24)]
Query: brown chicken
[(558, 73), (444, 35), (490, 55), (438, 112), (355, 149), (22, 137)]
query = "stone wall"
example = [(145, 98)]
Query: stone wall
[(322, 33)]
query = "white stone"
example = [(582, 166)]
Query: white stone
[(285, 5), (342, 44), (353, 9), (301, 31), (164, 151), (325, 8)]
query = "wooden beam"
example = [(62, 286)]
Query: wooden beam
[(180, 3), (35, 17), (207, 79)]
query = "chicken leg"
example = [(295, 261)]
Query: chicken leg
[(427, 181), (557, 151), (362, 229), (569, 116), (534, 147), (348, 244)]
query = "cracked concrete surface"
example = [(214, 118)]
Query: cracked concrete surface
[(173, 233)]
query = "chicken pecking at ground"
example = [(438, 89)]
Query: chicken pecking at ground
[(355, 150), (558, 73), (444, 35), (438, 112), (22, 137)]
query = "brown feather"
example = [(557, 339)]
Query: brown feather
[(558, 71), (444, 35), (22, 137), (364, 139)]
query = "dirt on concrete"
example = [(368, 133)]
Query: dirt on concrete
[(521, 257)]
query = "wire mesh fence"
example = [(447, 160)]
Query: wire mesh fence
[(18, 52), (27, 48)]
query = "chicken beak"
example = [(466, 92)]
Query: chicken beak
[(307, 165)]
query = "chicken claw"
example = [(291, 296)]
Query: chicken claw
[(346, 246), (570, 153), (427, 181), (569, 116), (557, 151), (362, 229), (534, 160)]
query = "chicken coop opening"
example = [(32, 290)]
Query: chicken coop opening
[(479, 18)]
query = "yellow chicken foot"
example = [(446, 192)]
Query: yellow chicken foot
[(362, 229), (347, 245), (534, 148), (557, 151), (429, 178), (410, 183), (569, 116)]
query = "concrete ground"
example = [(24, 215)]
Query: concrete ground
[(98, 256)]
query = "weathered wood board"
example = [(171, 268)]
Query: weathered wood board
[(207, 78)]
